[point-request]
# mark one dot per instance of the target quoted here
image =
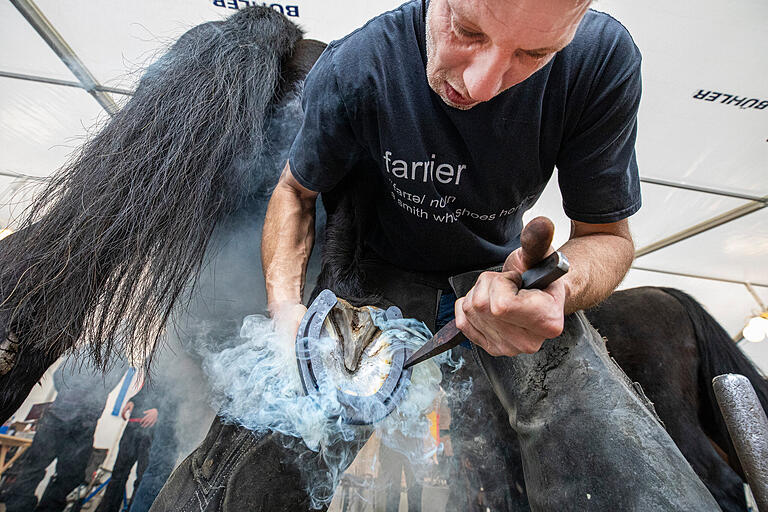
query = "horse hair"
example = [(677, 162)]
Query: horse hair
[(343, 246), (118, 235)]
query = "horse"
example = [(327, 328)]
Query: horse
[(662, 338), (68, 276), (665, 340)]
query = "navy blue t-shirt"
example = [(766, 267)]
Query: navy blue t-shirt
[(453, 184)]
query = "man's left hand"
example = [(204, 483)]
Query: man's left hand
[(505, 320)]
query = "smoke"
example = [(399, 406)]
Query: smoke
[(255, 383)]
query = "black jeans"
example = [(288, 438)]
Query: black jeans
[(70, 443), (134, 448)]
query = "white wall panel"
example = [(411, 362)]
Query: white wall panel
[(41, 124), (125, 37), (668, 210), (665, 211), (690, 46), (24, 51), (737, 250)]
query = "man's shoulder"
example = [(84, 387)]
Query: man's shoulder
[(377, 42), (602, 56), (601, 36)]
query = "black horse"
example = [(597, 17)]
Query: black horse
[(667, 342), (153, 229)]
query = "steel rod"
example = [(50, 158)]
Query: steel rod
[(701, 227), (58, 81), (697, 276), (705, 190), (748, 426), (56, 42)]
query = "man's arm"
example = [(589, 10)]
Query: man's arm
[(505, 320), (600, 256), (286, 243)]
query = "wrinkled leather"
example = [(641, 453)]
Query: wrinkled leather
[(235, 469), (588, 439)]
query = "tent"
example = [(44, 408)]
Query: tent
[(703, 123)]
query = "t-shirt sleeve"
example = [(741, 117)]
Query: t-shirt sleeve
[(326, 148), (597, 167)]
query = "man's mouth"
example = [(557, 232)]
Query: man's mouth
[(455, 97)]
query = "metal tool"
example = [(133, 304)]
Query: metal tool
[(748, 426), (537, 277)]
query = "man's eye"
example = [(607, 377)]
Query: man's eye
[(468, 34)]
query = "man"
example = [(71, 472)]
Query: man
[(142, 415), (456, 118), (474, 56)]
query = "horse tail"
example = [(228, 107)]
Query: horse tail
[(118, 235), (718, 354)]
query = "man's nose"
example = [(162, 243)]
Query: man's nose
[(485, 73)]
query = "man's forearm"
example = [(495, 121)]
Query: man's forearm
[(599, 261), (286, 243)]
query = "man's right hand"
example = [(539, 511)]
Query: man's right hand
[(286, 318), (127, 410)]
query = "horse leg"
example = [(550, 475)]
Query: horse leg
[(663, 357)]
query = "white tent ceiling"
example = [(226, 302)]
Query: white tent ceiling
[(703, 156)]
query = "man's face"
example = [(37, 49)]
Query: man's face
[(477, 49)]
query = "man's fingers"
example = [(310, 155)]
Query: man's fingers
[(535, 309), (478, 297), (495, 338), (464, 325)]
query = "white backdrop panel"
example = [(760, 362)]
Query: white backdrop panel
[(665, 211), (24, 51), (127, 36), (668, 210), (691, 46), (41, 124), (737, 250)]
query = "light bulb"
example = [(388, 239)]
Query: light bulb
[(761, 322), (755, 331)]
